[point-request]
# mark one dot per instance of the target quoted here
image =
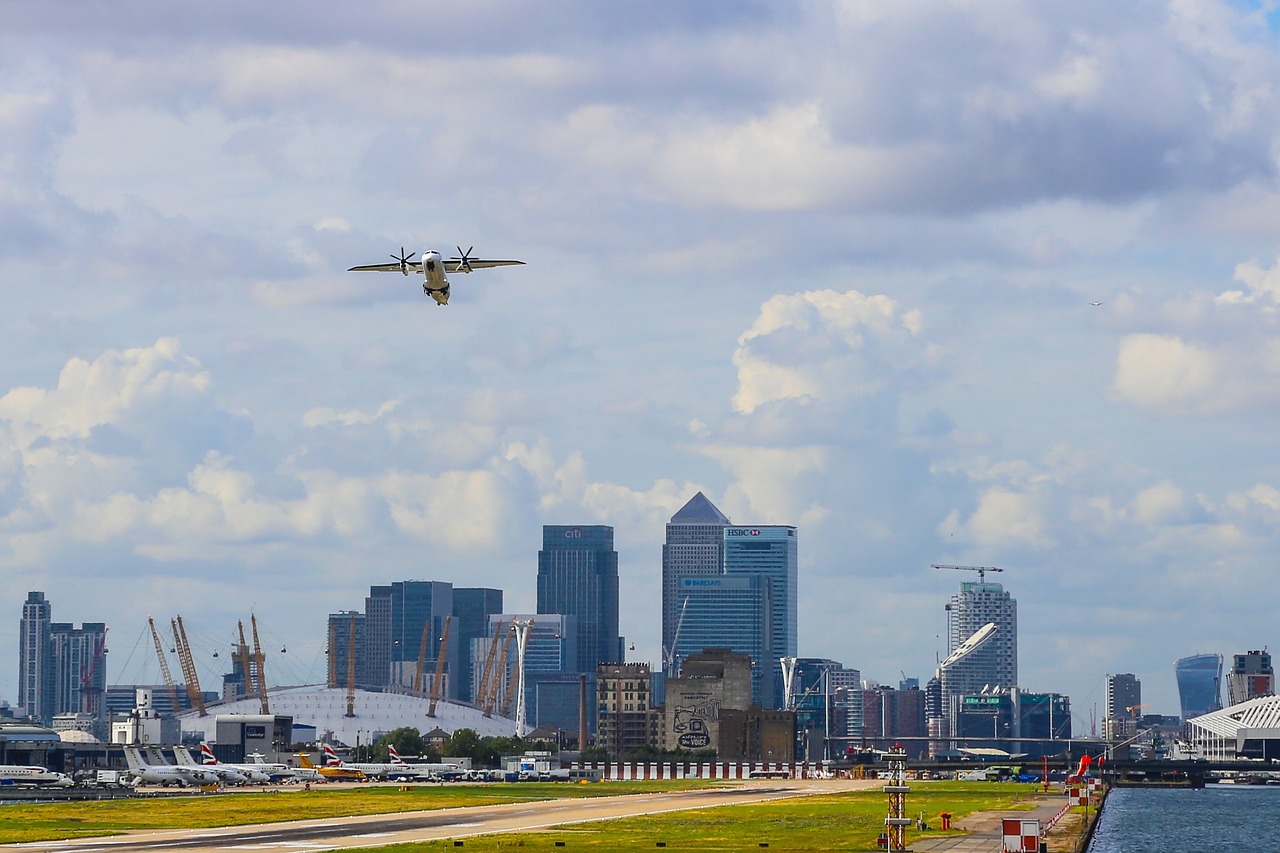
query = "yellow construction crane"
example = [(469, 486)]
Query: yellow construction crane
[(981, 570), (241, 656), (440, 656), (260, 662), (164, 667), (351, 669), (487, 674), (1132, 710), (512, 680), (188, 665)]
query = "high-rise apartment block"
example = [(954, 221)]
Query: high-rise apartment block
[(627, 719), (975, 605), (578, 577), (1124, 701), (61, 667), (1250, 677)]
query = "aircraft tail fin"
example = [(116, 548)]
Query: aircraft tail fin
[(394, 755), (206, 754), (331, 758), (133, 758), (183, 757), (304, 761)]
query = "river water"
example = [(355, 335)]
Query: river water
[(1216, 819)]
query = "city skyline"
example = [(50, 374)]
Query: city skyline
[(924, 306)]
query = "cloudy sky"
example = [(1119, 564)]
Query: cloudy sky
[(832, 263)]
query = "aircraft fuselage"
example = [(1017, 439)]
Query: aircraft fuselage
[(435, 283)]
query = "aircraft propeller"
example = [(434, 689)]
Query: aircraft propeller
[(464, 262), (404, 260)]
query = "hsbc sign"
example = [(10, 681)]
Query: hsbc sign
[(741, 531)]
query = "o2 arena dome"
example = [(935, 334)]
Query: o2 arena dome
[(326, 709)]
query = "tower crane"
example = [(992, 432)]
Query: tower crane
[(981, 570)]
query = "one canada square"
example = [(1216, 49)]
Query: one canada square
[(729, 586)]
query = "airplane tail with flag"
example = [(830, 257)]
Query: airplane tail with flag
[(331, 758), (206, 754), (394, 755)]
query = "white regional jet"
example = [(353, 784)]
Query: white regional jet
[(434, 268), (165, 774), (260, 773), (11, 774), (225, 773)]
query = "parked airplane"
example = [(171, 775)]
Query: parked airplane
[(434, 267), (330, 774), (12, 774), (225, 774), (403, 769), (260, 773), (374, 770), (165, 774)]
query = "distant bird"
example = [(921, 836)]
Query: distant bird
[(1095, 304)]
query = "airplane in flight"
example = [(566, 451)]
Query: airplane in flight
[(165, 774), (11, 774), (435, 268)]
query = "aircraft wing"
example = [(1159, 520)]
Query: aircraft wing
[(413, 266), (455, 264)]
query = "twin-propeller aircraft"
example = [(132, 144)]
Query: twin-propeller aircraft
[(434, 268)]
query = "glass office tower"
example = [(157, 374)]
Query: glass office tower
[(1199, 684), (578, 576)]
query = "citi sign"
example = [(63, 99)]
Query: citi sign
[(742, 531)]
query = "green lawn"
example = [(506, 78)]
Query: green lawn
[(848, 821), (49, 821)]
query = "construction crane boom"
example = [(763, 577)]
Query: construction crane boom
[(511, 682), (351, 669), (260, 660), (422, 658), (164, 667), (487, 675), (438, 681), (242, 654), (188, 665), (981, 570)]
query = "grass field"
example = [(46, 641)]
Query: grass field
[(849, 821), (49, 821), (842, 822)]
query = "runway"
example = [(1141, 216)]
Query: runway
[(377, 830)]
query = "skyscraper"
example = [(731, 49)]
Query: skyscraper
[(1199, 684), (398, 617), (694, 548), (975, 605), (578, 576), (731, 613), (1124, 691), (1124, 698), (1251, 676), (472, 608), (61, 667), (35, 658), (771, 553)]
